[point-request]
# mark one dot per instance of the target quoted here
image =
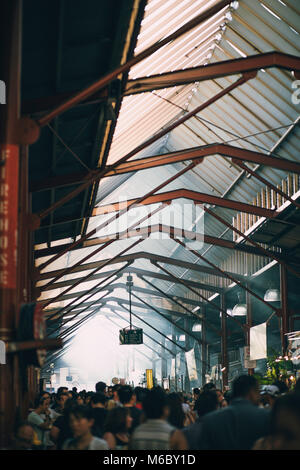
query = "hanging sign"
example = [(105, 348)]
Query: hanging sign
[(247, 363), (191, 364), (133, 336), (149, 376), (258, 342)]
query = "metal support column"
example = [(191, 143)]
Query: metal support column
[(204, 355), (188, 345), (224, 351), (164, 362), (249, 323), (284, 308)]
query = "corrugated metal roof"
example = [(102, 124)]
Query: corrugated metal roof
[(261, 108)]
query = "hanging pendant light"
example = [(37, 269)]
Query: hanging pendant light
[(197, 327), (272, 295), (239, 310)]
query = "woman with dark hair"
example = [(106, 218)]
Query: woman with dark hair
[(176, 416), (285, 425), (61, 429), (206, 403), (81, 422), (116, 428)]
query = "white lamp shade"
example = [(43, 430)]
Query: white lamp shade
[(239, 310), (197, 327), (272, 295)]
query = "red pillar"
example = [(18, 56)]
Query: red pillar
[(10, 31)]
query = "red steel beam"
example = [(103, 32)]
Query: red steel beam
[(238, 155), (147, 231), (104, 81), (172, 231), (139, 255), (139, 273), (106, 223), (213, 71), (192, 195), (97, 175)]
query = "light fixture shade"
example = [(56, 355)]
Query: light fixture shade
[(197, 327), (272, 295), (239, 310)]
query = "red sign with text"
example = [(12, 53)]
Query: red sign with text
[(9, 168)]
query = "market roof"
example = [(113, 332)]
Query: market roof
[(259, 115)]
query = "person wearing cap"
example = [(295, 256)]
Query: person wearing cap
[(269, 394)]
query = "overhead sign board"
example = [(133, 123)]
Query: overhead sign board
[(133, 336)]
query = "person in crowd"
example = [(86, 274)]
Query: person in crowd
[(196, 393), (240, 424), (227, 396), (49, 444), (190, 415), (184, 402), (88, 397), (177, 416), (140, 393), (297, 386), (285, 425), (127, 398), (80, 399), (283, 388), (110, 393), (269, 394), (221, 399), (40, 424), (117, 427), (24, 437), (101, 387), (81, 422), (156, 433), (206, 403), (98, 402), (60, 430), (74, 389), (62, 390), (209, 386), (115, 400), (60, 401)]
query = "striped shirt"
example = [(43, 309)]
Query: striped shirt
[(154, 434)]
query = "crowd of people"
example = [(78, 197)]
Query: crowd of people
[(120, 418)]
